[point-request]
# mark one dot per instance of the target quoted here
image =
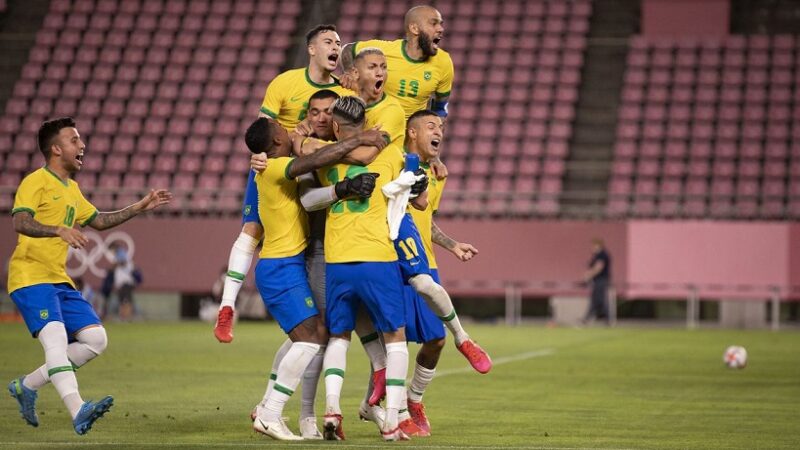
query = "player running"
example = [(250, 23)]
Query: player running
[(47, 206)]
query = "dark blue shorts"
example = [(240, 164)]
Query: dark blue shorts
[(410, 252), (250, 203), (283, 285), (422, 325), (41, 304), (378, 285)]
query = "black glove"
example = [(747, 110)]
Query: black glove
[(420, 186), (360, 186)]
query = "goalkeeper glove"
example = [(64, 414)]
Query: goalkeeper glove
[(360, 186)]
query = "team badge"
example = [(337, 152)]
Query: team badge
[(427, 75), (247, 210), (43, 314), (309, 302)]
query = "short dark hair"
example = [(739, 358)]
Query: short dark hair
[(317, 30), (259, 135), (322, 94), (418, 114), (49, 130), (350, 109)]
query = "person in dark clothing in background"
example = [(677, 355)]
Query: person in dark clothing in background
[(599, 277)]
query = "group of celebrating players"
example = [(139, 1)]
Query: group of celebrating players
[(346, 178), (362, 258)]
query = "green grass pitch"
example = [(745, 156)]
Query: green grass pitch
[(175, 386)]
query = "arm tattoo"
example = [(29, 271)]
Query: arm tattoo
[(25, 224), (105, 220), (325, 156), (438, 237)]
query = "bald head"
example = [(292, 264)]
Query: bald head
[(419, 15), (424, 29)]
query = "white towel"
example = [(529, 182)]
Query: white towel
[(398, 192)]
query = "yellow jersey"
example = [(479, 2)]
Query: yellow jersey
[(424, 219), (357, 230), (283, 217), (413, 82), (51, 201), (286, 99), (389, 114)]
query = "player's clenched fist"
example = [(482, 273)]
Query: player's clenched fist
[(73, 237), (360, 186)]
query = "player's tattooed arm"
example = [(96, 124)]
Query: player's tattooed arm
[(461, 250), (154, 199), (25, 224), (333, 153)]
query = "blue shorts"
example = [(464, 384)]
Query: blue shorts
[(410, 252), (422, 324), (41, 304), (378, 285), (250, 203), (283, 285)]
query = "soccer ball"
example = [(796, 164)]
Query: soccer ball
[(735, 357)]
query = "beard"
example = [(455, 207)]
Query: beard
[(426, 45)]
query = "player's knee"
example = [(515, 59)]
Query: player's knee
[(425, 285), (94, 338)]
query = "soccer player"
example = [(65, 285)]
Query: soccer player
[(319, 120), (370, 71), (280, 274), (424, 136), (419, 71), (362, 269), (286, 100), (47, 206)]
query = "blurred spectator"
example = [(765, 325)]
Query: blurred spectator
[(599, 277), (124, 281)]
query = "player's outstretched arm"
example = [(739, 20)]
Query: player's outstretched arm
[(462, 250), (333, 153), (154, 199), (25, 224)]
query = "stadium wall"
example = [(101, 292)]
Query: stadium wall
[(652, 259)]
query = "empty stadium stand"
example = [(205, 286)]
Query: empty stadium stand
[(709, 128), (161, 90)]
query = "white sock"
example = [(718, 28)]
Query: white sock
[(375, 350), (334, 365), (289, 373), (310, 382), (403, 414), (91, 342), (54, 341), (396, 369), (422, 378), (439, 302), (238, 265), (276, 362)]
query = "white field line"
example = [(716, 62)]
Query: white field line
[(499, 361)]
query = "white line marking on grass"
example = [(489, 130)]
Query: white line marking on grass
[(499, 361)]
